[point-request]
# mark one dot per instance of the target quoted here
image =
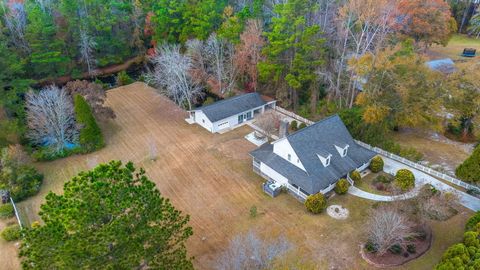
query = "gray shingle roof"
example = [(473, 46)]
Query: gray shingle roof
[(319, 138), (231, 106)]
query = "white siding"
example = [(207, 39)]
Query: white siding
[(202, 120), (232, 120), (283, 148), (273, 174)]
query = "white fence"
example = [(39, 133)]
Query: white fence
[(294, 116), (16, 213), (419, 167)]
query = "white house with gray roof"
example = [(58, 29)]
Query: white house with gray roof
[(229, 113), (312, 159)]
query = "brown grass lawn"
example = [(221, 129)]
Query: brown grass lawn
[(440, 152), (209, 176), (8, 250)]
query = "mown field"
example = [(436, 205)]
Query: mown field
[(209, 176)]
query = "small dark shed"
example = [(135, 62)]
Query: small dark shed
[(469, 52)]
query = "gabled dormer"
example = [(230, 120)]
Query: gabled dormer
[(342, 148), (325, 158)]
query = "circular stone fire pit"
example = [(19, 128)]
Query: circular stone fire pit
[(337, 211)]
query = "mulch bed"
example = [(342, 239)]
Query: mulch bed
[(390, 260)]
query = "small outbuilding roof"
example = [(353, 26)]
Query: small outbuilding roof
[(231, 106), (443, 65)]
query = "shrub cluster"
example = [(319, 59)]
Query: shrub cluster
[(316, 203), (123, 78), (11, 233), (302, 125), (376, 165), (404, 179), (22, 181), (469, 170), (342, 186), (355, 176), (90, 137), (294, 125), (6, 210)]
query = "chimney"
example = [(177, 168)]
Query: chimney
[(283, 130)]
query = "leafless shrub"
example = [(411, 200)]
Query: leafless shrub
[(95, 96), (51, 118), (433, 204), (387, 227), (13, 156), (248, 251), (152, 150)]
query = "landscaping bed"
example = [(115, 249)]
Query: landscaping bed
[(398, 255), (378, 183)]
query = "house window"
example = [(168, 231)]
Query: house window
[(203, 121), (345, 151), (327, 161), (298, 160), (289, 157)]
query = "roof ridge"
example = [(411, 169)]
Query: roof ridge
[(314, 124), (227, 99)]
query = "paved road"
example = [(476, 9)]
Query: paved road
[(391, 166)]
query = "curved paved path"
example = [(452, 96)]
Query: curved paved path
[(391, 166)]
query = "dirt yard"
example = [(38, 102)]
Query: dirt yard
[(209, 176)]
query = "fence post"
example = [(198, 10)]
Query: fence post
[(16, 213)]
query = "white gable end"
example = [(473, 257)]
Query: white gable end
[(284, 149)]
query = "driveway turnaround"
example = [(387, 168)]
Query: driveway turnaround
[(391, 166)]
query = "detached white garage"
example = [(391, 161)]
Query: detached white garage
[(229, 113)]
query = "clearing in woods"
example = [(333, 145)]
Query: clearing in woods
[(209, 176)]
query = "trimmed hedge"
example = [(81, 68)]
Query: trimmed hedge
[(342, 186), (355, 176), (404, 179), (376, 165), (469, 170), (91, 137), (6, 210), (302, 125), (11, 233), (316, 203)]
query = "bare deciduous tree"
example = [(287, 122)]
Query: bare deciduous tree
[(87, 47), (16, 21), (387, 227), (268, 122), (51, 118), (213, 62), (248, 251), (172, 77), (94, 94), (249, 52)]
